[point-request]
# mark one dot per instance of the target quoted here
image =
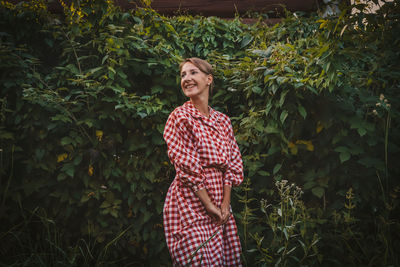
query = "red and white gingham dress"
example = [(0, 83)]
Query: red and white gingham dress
[(205, 155)]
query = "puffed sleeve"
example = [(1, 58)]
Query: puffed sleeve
[(234, 174), (182, 152)]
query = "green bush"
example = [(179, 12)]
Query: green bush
[(85, 96)]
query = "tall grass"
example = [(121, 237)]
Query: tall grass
[(292, 234), (39, 241)]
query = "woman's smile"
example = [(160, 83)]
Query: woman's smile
[(189, 86), (194, 82)]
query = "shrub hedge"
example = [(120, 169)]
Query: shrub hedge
[(85, 96)]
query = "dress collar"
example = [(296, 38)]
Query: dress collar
[(197, 114)]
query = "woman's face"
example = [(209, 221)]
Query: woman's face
[(194, 82)]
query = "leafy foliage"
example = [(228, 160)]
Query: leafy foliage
[(85, 96)]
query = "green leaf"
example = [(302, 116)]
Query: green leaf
[(302, 111), (246, 40), (309, 185), (77, 160), (61, 117), (256, 89), (268, 107), (69, 169), (91, 71), (263, 53), (283, 116), (341, 149), (39, 153), (285, 233), (149, 175), (323, 49), (111, 73), (283, 97), (85, 197), (361, 131), (61, 177), (318, 191), (157, 89), (105, 204), (263, 173), (281, 80), (344, 156), (104, 59), (277, 168), (271, 129), (291, 250), (146, 216), (67, 140), (6, 135), (268, 72), (122, 74), (303, 245)]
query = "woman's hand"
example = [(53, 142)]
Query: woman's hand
[(214, 212), (226, 204), (225, 211)]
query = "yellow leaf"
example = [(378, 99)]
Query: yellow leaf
[(294, 150), (349, 193), (323, 23), (90, 170), (130, 213), (319, 127), (62, 157), (309, 144), (99, 134)]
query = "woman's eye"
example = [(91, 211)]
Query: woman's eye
[(193, 72)]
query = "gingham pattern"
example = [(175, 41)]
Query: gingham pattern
[(205, 155)]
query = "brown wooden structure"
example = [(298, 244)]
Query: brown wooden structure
[(219, 8), (226, 8)]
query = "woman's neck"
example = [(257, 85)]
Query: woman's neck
[(201, 103)]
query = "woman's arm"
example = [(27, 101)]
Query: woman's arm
[(212, 210), (182, 151), (233, 176), (226, 204)]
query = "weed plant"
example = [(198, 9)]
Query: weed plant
[(285, 238)]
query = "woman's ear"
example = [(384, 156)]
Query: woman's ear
[(210, 79)]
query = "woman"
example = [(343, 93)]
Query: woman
[(207, 160)]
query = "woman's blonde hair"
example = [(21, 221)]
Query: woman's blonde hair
[(203, 66)]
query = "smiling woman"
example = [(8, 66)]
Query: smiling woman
[(196, 81), (198, 222)]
